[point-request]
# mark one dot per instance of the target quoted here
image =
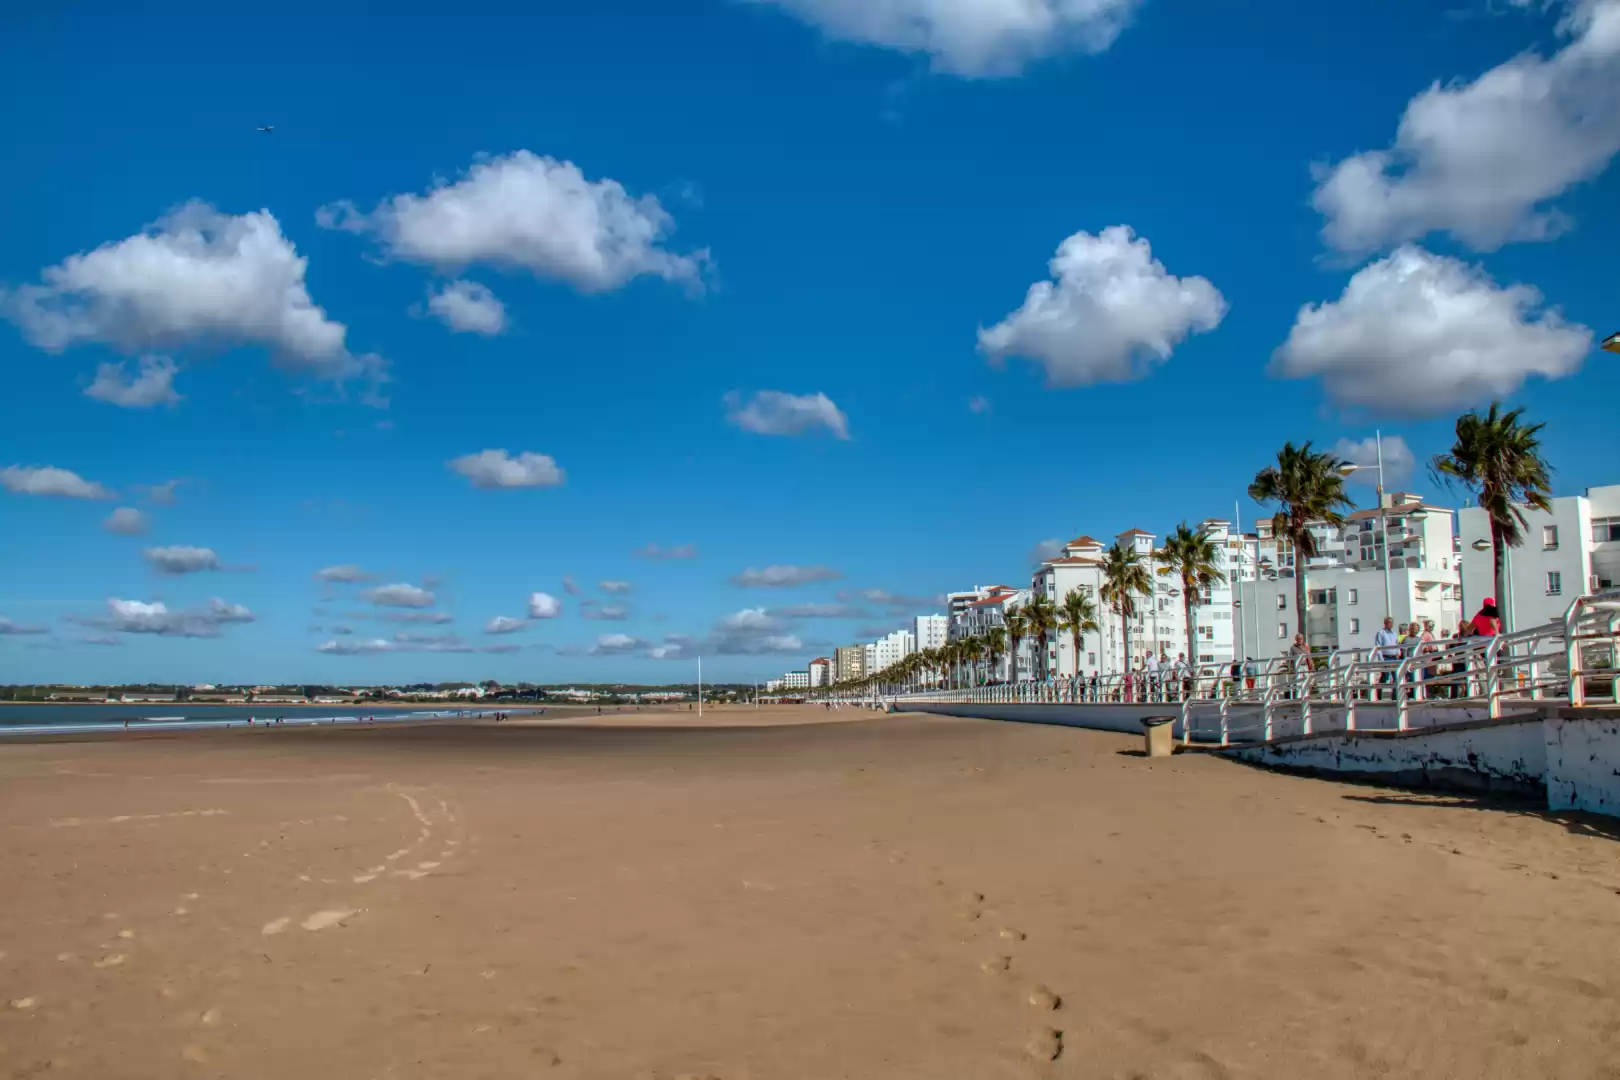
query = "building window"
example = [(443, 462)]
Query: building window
[(1605, 530), (1282, 602), (1354, 597), (1555, 583), (1549, 536), (1282, 630), (1091, 658), (1355, 626)]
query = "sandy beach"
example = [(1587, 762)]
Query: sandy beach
[(771, 895)]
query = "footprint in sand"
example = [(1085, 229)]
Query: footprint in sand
[(23, 1003), (321, 920), (111, 961), (1009, 934), (275, 926), (1044, 1045), (1042, 998), (995, 965)]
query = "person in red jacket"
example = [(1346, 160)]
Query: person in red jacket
[(1488, 622)]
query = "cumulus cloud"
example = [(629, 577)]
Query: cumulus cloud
[(181, 559), (772, 412), (160, 494), (1420, 334), (784, 577), (749, 632), (527, 212), (11, 626), (51, 481), (1483, 160), (616, 645), (971, 38), (399, 643), (544, 606), (502, 624), (1112, 312), (343, 572), (435, 617), (195, 277), (141, 617), (617, 588), (399, 594), (365, 647), (591, 609), (125, 521), (1398, 460), (657, 553), (498, 469), (1045, 551), (468, 307), (151, 384)]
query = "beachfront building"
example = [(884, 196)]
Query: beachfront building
[(849, 663), (1346, 580), (821, 672), (869, 658), (930, 631), (794, 680), (987, 612), (1571, 549)]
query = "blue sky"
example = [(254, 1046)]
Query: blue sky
[(763, 274)]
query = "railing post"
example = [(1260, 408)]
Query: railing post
[(1350, 676), (1226, 721), (1403, 693), (1572, 654), (1493, 679)]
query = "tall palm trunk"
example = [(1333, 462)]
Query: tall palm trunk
[(1301, 593), (1499, 553), (1188, 608)]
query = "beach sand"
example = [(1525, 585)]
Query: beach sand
[(903, 896)]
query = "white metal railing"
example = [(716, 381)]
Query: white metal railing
[(1570, 661)]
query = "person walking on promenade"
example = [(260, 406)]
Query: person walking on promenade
[(1299, 660), (1386, 650), (1181, 672), (1150, 663)]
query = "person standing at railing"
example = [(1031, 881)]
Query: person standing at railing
[(1150, 685), (1181, 673), (1427, 648), (1386, 650)]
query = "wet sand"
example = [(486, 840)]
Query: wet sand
[(761, 898)]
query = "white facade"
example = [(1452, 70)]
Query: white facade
[(929, 631), (869, 659), (795, 680), (821, 672), (893, 648), (1573, 549)]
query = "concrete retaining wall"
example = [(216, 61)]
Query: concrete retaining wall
[(1124, 718), (1583, 762)]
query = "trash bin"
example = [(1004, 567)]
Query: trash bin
[(1156, 731)]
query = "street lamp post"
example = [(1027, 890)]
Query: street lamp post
[(1512, 619), (1383, 517)]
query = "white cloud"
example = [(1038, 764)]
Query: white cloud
[(527, 212), (893, 603), (971, 37), (152, 384), (1419, 334), (125, 521), (344, 572), (468, 306), (656, 552), (1399, 462), (11, 626), (751, 632), (772, 412), (784, 577), (616, 645), (436, 617), (502, 624), (818, 611), (181, 559), (572, 587), (364, 647), (49, 480), (399, 594), (1045, 551), (979, 405), (399, 643), (140, 617), (1112, 314), (160, 494), (1482, 160), (590, 609), (498, 469), (197, 276), (617, 588), (544, 606)]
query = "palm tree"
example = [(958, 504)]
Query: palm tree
[(1195, 558), (1499, 460), (995, 647), (1040, 621), (973, 652), (1309, 489), (1016, 629), (1078, 617), (1124, 579)]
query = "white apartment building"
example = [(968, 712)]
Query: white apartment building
[(930, 631), (1572, 549), (1346, 580), (795, 680), (869, 658), (821, 672), (980, 616), (893, 648)]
